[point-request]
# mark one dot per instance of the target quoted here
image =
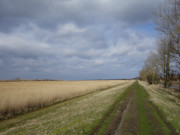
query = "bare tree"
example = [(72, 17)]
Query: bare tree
[(165, 63), (151, 69), (168, 23), (164, 47)]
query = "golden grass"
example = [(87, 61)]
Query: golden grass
[(23, 96)]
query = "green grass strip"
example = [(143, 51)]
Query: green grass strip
[(145, 127)]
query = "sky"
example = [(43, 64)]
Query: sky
[(75, 39)]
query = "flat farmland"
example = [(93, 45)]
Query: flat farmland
[(123, 108), (23, 96)]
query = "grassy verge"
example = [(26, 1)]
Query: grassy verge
[(150, 116), (166, 105)]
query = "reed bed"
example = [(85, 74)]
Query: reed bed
[(23, 96)]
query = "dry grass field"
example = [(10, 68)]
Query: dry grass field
[(23, 96)]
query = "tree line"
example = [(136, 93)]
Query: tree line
[(164, 63)]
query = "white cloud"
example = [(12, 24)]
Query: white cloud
[(70, 28)]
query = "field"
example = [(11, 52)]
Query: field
[(22, 96), (112, 108)]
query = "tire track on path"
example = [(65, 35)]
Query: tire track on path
[(136, 115)]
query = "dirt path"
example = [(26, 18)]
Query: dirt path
[(111, 129), (136, 115), (130, 118), (110, 122)]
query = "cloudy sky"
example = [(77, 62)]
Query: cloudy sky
[(75, 39)]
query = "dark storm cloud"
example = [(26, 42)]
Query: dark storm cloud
[(73, 39), (14, 12)]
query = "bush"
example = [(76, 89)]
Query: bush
[(149, 79)]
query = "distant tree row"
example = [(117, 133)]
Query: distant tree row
[(164, 63)]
